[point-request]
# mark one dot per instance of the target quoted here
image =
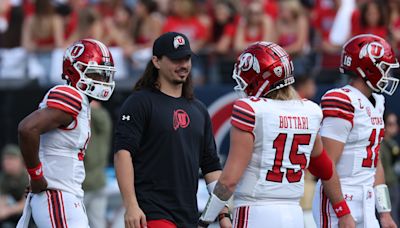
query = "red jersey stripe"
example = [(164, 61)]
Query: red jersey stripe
[(56, 209), (243, 117), (337, 95), (69, 90), (63, 107), (65, 99), (244, 107), (61, 198), (242, 125), (338, 114), (337, 104), (50, 206), (324, 207), (67, 95)]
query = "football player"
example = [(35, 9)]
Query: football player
[(53, 139), (352, 130), (274, 138)]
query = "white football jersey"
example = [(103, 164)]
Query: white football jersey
[(284, 135), (357, 165), (62, 150)]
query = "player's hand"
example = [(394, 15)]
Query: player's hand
[(38, 185), (225, 223), (347, 221), (387, 220), (134, 217)]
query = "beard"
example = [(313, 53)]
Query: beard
[(179, 81)]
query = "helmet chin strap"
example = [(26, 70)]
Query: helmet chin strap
[(261, 89), (364, 77)]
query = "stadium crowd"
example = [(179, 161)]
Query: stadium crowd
[(34, 34)]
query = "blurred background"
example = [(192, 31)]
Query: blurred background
[(34, 33)]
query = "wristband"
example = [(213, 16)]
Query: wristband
[(36, 173), (224, 215), (341, 209)]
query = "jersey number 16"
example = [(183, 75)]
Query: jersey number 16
[(369, 160)]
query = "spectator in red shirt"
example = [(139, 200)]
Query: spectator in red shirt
[(89, 26), (184, 19), (370, 19), (323, 22), (117, 26), (292, 27), (253, 26), (42, 32), (394, 24), (225, 19), (292, 30), (323, 19), (146, 27)]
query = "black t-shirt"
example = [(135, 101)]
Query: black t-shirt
[(169, 140)]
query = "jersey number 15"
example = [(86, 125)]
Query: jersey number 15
[(276, 175)]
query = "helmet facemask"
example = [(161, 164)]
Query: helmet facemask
[(387, 84), (96, 81), (241, 84)]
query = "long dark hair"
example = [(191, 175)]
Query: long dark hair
[(382, 20), (149, 81)]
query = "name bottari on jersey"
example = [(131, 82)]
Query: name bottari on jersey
[(62, 150), (284, 134), (358, 162)]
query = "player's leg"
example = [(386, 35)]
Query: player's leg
[(323, 215), (272, 215), (53, 208), (356, 199), (369, 218)]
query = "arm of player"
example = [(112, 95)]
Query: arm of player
[(124, 170), (29, 131), (240, 152), (322, 166), (382, 198), (211, 179)]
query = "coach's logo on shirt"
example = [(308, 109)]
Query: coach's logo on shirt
[(126, 117), (181, 119)]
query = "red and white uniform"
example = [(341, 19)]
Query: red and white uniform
[(62, 150), (273, 183), (61, 153), (351, 118)]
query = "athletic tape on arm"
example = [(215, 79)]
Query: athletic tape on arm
[(213, 208), (382, 198)]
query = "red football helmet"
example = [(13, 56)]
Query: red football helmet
[(262, 68), (371, 58), (89, 67)]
